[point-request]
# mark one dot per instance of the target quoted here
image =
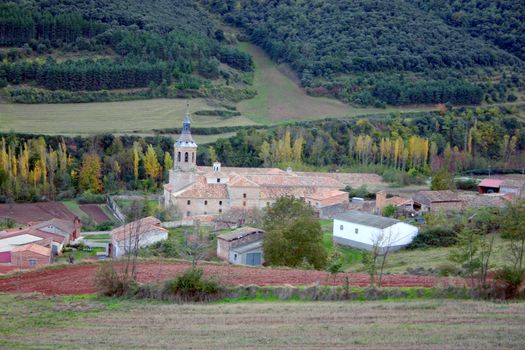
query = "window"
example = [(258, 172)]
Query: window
[(189, 202), (32, 262), (205, 202), (186, 157), (192, 156), (244, 195), (356, 231), (218, 180), (235, 257), (178, 157), (220, 211), (188, 213), (243, 203), (341, 227), (220, 202)]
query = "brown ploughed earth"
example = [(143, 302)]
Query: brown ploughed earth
[(79, 279), (94, 211), (23, 213)]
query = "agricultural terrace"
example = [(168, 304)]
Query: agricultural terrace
[(35, 321)]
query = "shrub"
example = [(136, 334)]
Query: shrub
[(510, 280), (192, 286), (447, 269), (89, 197), (111, 283), (466, 184), (434, 237)]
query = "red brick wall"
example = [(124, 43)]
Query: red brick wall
[(21, 259)]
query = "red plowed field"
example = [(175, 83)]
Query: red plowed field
[(95, 212), (79, 279), (23, 213)]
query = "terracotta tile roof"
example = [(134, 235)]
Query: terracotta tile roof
[(67, 226), (34, 232), (32, 247), (348, 179), (437, 196), (324, 193), (294, 180), (497, 200), (201, 189), (241, 181), (398, 201), (243, 171), (136, 228), (491, 183)]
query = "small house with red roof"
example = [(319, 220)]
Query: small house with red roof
[(490, 186), (31, 256)]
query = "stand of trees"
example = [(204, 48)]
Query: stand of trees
[(377, 52), (186, 48)]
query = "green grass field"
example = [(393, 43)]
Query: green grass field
[(89, 322), (115, 117), (279, 99)]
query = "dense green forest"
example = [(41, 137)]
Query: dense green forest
[(395, 52), (115, 44), (404, 149)]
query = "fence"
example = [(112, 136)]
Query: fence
[(117, 212)]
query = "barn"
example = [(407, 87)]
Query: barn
[(242, 246), (363, 231)]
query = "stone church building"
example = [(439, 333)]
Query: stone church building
[(204, 190)]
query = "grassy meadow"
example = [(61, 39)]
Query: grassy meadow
[(38, 322)]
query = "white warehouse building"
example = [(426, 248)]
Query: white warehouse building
[(363, 231)]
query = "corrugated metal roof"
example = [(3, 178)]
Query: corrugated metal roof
[(365, 219), (239, 233)]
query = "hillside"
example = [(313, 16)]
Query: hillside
[(59, 51), (380, 52)]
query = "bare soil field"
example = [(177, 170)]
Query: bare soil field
[(79, 279), (36, 322), (23, 213), (94, 211)]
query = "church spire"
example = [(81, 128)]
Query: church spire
[(185, 136)]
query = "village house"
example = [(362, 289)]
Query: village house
[(437, 200), (201, 190), (402, 204), (56, 233), (135, 235), (513, 186), (242, 246), (31, 255), (364, 231)]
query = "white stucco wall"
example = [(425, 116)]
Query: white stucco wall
[(148, 238), (399, 234)]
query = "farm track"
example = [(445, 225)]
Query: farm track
[(71, 280)]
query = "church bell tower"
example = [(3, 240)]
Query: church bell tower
[(184, 169), (185, 157)]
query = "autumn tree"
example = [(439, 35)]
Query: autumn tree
[(90, 173), (151, 164)]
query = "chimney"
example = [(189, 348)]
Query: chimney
[(380, 200), (216, 167)]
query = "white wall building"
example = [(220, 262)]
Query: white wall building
[(135, 235), (363, 231)]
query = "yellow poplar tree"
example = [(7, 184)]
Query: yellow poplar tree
[(151, 163), (90, 173)]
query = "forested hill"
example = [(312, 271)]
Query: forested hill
[(165, 46), (390, 51)]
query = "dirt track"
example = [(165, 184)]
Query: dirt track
[(79, 279)]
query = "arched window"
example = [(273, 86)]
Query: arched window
[(178, 157), (220, 202), (186, 157), (189, 202), (205, 202)]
